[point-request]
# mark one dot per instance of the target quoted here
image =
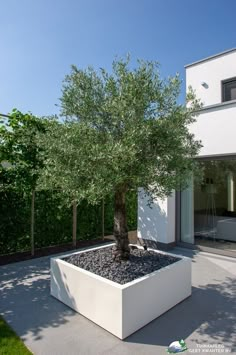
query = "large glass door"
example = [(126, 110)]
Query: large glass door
[(208, 207)]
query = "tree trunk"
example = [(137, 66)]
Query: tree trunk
[(121, 250), (103, 227), (32, 222), (74, 234)]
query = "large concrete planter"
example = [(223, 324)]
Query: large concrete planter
[(120, 309)]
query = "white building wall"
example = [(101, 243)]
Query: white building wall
[(211, 72), (156, 223), (215, 127)]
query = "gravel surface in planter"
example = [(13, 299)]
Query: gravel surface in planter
[(141, 263)]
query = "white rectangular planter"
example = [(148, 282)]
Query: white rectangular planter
[(121, 309)]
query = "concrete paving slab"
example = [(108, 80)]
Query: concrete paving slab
[(48, 327)]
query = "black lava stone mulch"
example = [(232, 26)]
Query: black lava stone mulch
[(141, 263)]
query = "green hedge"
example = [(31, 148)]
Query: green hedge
[(14, 222), (53, 221)]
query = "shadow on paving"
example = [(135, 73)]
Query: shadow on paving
[(25, 300), (190, 253), (209, 315), (210, 312)]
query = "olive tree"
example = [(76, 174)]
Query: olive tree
[(123, 130)]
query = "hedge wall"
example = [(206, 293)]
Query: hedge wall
[(53, 221)]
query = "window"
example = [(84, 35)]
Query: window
[(229, 90)]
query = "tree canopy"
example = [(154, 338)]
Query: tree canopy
[(20, 155), (124, 129)]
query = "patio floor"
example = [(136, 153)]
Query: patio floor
[(48, 327)]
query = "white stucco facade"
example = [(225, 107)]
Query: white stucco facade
[(216, 124), (215, 127), (156, 223), (211, 71)]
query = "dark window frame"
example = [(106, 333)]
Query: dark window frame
[(223, 82)]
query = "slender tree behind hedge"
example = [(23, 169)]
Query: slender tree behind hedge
[(20, 157)]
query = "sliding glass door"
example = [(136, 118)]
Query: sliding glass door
[(208, 207)]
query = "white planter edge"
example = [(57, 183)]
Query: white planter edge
[(120, 309)]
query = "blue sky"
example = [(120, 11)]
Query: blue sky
[(40, 39)]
